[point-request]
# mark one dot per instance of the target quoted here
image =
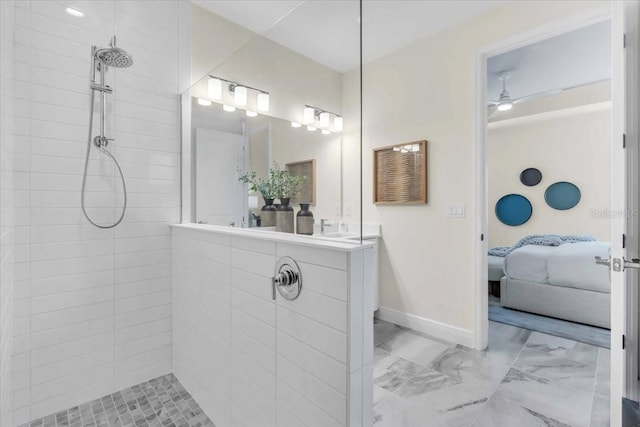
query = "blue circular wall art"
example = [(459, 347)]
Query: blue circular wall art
[(531, 177), (513, 209), (562, 195)]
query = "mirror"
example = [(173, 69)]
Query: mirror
[(269, 94)]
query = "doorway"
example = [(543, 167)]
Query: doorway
[(486, 206)]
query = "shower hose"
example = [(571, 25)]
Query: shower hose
[(104, 151)]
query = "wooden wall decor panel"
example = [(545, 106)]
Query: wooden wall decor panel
[(400, 174)]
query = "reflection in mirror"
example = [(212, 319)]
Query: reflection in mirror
[(274, 101)]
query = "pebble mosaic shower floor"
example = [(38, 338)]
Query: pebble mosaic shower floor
[(161, 402)]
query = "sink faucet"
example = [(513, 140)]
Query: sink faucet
[(323, 223)]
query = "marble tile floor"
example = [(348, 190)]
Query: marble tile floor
[(523, 379), (161, 402)]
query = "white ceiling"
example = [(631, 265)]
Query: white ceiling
[(569, 60), (327, 31)]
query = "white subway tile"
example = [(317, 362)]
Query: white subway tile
[(321, 366), (303, 409), (313, 255), (323, 338), (324, 397)]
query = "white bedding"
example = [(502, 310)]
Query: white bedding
[(572, 265), (569, 265), (529, 263)]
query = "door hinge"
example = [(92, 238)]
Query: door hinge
[(623, 342), (482, 237), (624, 140), (624, 40), (624, 241)]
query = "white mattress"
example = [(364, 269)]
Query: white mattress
[(529, 263), (572, 265)]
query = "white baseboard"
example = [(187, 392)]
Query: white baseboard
[(427, 326)]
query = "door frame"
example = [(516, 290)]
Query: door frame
[(481, 218)]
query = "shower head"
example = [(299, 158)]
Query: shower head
[(114, 57)]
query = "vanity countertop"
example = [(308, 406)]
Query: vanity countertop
[(348, 243)]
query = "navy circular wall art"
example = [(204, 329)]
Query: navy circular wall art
[(531, 177), (562, 195), (513, 209)]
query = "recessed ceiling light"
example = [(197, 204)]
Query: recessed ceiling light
[(295, 125), (251, 113), (204, 101), (228, 108), (74, 12), (311, 128), (326, 132)]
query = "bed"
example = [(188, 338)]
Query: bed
[(559, 281)]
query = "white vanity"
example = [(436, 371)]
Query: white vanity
[(250, 356)]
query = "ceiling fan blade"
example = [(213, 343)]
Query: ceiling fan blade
[(533, 96)]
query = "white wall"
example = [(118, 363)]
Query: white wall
[(93, 307), (574, 148), (7, 26), (428, 93)]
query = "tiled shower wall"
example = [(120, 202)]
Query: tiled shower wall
[(7, 20), (93, 307)]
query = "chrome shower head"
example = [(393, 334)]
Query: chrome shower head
[(114, 57)]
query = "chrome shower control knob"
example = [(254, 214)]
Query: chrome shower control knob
[(287, 279)]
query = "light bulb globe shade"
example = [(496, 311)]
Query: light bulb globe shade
[(263, 102), (311, 128), (240, 96), (337, 124), (251, 113), (203, 101), (295, 125), (324, 119), (229, 108), (214, 87), (505, 106), (308, 115)]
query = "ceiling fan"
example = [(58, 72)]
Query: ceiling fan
[(506, 103)]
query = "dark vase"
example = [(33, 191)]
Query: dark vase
[(304, 220), (268, 214), (284, 216)]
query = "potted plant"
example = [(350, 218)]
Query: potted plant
[(266, 189), (285, 186)]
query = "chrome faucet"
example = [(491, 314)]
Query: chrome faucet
[(323, 223)]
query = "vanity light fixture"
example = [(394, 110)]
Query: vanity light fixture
[(74, 12), (214, 86), (337, 124), (319, 118), (324, 119), (308, 115), (228, 108), (240, 96), (204, 101), (239, 91), (263, 101), (250, 113), (295, 125)]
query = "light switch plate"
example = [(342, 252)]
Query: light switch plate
[(456, 210)]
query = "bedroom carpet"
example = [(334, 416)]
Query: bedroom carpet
[(561, 328)]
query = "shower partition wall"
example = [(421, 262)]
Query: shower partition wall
[(93, 306)]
